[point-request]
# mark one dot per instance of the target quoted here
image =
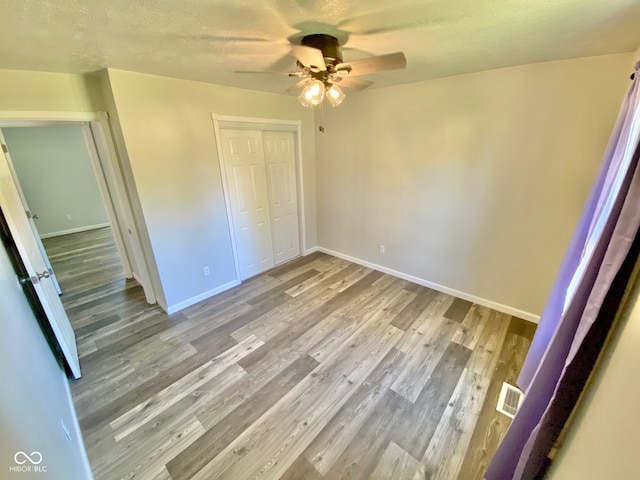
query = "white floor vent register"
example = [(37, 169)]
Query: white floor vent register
[(509, 401)]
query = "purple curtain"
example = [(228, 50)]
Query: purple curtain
[(571, 332)]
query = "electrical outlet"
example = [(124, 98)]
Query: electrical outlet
[(205, 271), (65, 429), (68, 216), (382, 248)]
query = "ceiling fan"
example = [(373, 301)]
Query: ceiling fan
[(324, 72)]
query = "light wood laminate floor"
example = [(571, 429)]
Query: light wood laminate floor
[(317, 369)]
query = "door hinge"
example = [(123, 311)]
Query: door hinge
[(4, 148)]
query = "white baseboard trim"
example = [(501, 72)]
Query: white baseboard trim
[(435, 286), (203, 296), (74, 230), (311, 250)]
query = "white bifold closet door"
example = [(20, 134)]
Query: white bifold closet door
[(261, 182)]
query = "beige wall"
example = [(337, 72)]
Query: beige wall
[(35, 392), (102, 93), (604, 437), (473, 182), (56, 175), (42, 91), (168, 132)]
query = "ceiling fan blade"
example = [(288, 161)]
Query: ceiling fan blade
[(298, 85), (289, 74), (309, 57), (391, 61), (354, 83)]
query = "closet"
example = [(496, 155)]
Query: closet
[(260, 171)]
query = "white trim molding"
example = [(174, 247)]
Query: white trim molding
[(203, 296), (31, 119), (434, 286), (75, 230)]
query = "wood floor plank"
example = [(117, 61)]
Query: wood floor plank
[(360, 458), (486, 353), (207, 341), (296, 330), (458, 310), (350, 279), (411, 312), (173, 416), (341, 324), (284, 287), (232, 297), (133, 327), (309, 283), (273, 322), (192, 459), (120, 405), (522, 328), (446, 451), (92, 327), (332, 441), (423, 358), (247, 387), (163, 474), (101, 355), (149, 460), (395, 463), (273, 443), (144, 411), (471, 327), (295, 263), (415, 429), (421, 325), (301, 469)]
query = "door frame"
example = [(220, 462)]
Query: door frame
[(97, 134), (263, 124)]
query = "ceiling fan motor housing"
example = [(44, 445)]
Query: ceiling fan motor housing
[(327, 44)]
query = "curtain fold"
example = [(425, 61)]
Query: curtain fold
[(579, 308)]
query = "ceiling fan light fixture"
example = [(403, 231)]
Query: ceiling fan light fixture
[(312, 94), (335, 95)]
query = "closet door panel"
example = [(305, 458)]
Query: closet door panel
[(244, 164), (280, 160)]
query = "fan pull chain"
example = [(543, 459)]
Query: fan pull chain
[(321, 127)]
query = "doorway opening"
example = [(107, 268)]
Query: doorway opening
[(60, 194), (70, 215)]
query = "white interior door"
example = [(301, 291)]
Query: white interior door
[(34, 262), (280, 161), (32, 216), (247, 188)]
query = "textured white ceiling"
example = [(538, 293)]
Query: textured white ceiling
[(207, 40)]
